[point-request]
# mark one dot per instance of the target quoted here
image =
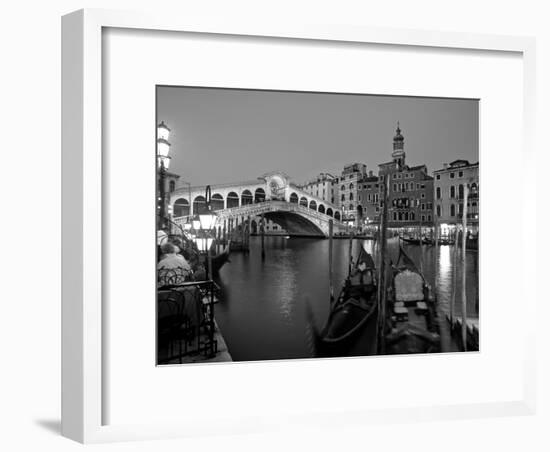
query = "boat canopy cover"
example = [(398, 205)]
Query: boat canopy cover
[(409, 286)]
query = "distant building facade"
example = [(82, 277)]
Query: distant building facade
[(324, 186), (449, 185), (410, 195), (349, 185), (368, 207)]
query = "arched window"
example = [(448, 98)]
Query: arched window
[(351, 207), (337, 215), (406, 216), (246, 198), (199, 205), (217, 202), (453, 191), (343, 187), (181, 207), (461, 191), (172, 186), (343, 197), (453, 210), (259, 195), (294, 198), (351, 186), (303, 201), (411, 216), (232, 200), (351, 196), (313, 205), (329, 212), (321, 208), (438, 192), (438, 210)]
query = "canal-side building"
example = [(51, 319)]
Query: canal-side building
[(368, 207), (324, 186), (410, 196), (349, 183), (449, 194)]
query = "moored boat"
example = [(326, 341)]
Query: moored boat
[(412, 324), (350, 329)]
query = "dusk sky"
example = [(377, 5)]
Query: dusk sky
[(221, 135)]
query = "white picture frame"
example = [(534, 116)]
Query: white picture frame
[(83, 197)]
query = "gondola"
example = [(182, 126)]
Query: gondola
[(350, 329), (219, 260), (411, 241), (412, 317)]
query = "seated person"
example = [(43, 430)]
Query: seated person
[(172, 268)]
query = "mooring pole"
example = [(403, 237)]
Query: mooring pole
[(330, 244), (464, 238), (262, 233)]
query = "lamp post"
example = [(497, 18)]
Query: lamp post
[(204, 224), (163, 161)]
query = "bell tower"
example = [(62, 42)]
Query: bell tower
[(398, 154)]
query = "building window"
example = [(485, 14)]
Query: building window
[(423, 207), (461, 191), (429, 206), (452, 191), (411, 216), (399, 176), (460, 174), (351, 196), (438, 176), (461, 209), (423, 217), (351, 207), (351, 186), (438, 193), (172, 186), (394, 216), (418, 186), (438, 211), (423, 195), (394, 187), (429, 218), (453, 210), (343, 197), (343, 187), (452, 175)]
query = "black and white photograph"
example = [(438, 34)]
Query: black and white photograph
[(296, 225)]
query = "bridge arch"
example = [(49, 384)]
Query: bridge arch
[(293, 198), (303, 201), (259, 195), (246, 197), (312, 205), (329, 212), (199, 204), (181, 207), (321, 208), (217, 202), (232, 200)]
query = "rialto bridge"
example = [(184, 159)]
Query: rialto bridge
[(272, 196)]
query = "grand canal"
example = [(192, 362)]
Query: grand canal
[(262, 314)]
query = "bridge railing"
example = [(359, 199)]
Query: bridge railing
[(256, 209)]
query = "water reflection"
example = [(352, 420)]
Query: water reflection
[(262, 315)]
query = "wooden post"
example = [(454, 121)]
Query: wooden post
[(436, 253), (455, 264), (262, 233), (421, 249), (248, 227), (350, 252), (464, 237), (224, 237), (330, 243), (381, 325)]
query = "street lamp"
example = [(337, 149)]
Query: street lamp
[(163, 161), (204, 224)]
